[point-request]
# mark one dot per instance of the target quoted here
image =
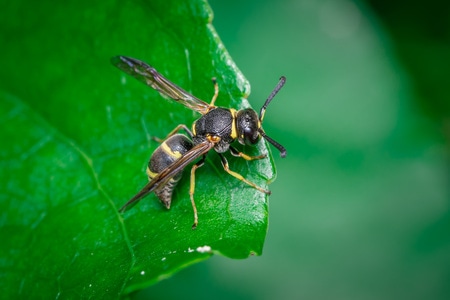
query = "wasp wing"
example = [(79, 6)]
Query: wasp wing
[(148, 75), (163, 177)]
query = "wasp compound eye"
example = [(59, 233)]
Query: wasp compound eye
[(251, 137)]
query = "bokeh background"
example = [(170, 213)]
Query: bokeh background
[(360, 207)]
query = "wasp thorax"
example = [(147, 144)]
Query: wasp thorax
[(247, 125)]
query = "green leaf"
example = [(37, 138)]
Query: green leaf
[(76, 137)]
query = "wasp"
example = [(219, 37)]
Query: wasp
[(217, 128)]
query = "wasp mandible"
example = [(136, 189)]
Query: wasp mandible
[(217, 129)]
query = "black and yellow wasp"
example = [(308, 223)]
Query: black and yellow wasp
[(217, 129)]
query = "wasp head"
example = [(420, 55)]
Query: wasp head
[(249, 125)]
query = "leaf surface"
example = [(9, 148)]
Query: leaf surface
[(77, 137)]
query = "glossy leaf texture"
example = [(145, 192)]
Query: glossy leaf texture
[(77, 135)]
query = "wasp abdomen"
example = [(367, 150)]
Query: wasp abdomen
[(165, 155)]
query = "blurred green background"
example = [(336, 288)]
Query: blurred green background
[(360, 207)]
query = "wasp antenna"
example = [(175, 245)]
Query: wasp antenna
[(274, 143), (271, 96)]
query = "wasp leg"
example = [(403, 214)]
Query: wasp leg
[(192, 189), (237, 153), (216, 93), (174, 131), (239, 176)]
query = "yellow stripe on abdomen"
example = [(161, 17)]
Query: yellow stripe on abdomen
[(168, 151)]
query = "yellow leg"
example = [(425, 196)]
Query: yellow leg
[(175, 130), (192, 190), (237, 153), (216, 93), (240, 177)]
